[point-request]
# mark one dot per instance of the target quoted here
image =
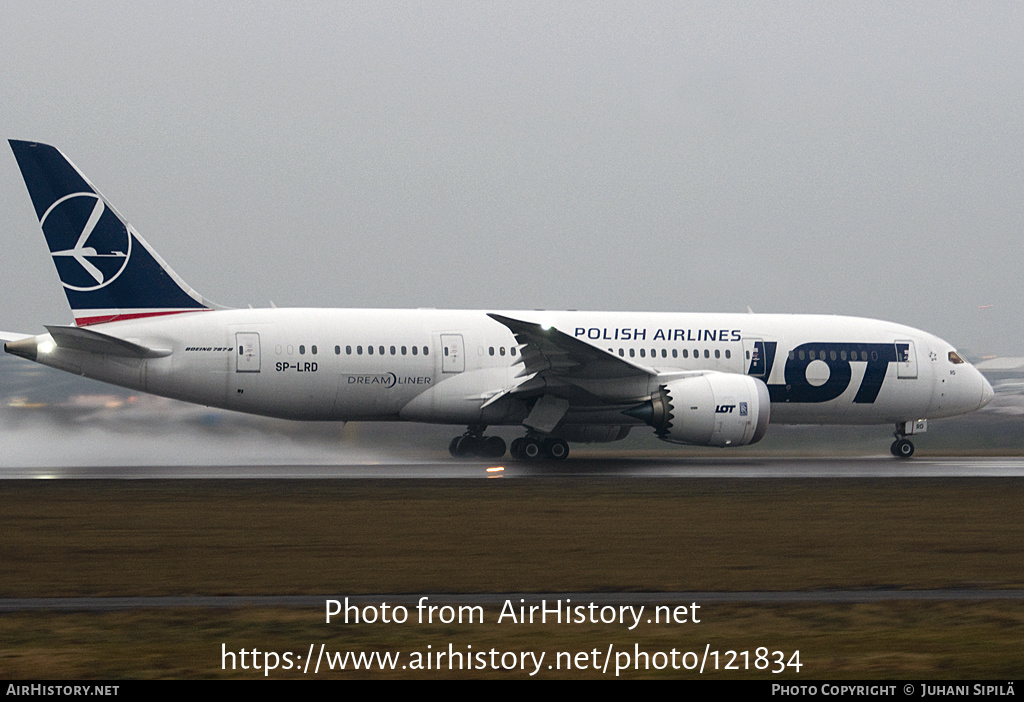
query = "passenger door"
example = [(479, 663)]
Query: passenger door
[(906, 360), (453, 354), (247, 352)]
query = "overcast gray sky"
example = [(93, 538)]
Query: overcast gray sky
[(842, 158)]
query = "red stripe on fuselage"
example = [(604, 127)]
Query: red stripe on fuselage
[(86, 321)]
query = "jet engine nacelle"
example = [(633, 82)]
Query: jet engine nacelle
[(715, 409)]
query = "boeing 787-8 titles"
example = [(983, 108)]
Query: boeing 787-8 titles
[(702, 379)]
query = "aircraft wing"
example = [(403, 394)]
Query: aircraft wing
[(555, 363)]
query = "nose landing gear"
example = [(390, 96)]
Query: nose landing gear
[(902, 447)]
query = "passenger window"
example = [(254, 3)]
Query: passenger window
[(426, 350), (718, 353), (728, 353), (337, 350), (414, 350), (359, 350), (501, 351), (490, 351), (302, 349), (707, 353), (513, 350), (392, 350), (403, 350), (369, 350)]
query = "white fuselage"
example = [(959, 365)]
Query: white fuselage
[(444, 366), (704, 379)]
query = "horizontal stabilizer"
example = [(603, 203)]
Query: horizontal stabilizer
[(81, 339)]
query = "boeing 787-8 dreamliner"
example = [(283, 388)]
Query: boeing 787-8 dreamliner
[(703, 379)]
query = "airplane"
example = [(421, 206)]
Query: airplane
[(703, 379)]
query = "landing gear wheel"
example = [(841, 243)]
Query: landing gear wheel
[(903, 448), (517, 449), (474, 443), (532, 449), (465, 445), (493, 447), (557, 449)]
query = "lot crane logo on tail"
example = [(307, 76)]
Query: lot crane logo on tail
[(89, 244), (108, 271)]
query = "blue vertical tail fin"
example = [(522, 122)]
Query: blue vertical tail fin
[(108, 270)]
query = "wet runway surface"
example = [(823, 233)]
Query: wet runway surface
[(615, 468), (861, 467)]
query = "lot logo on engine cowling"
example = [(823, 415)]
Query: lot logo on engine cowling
[(90, 246)]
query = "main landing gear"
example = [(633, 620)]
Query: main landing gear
[(474, 443), (533, 447), (902, 447)]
